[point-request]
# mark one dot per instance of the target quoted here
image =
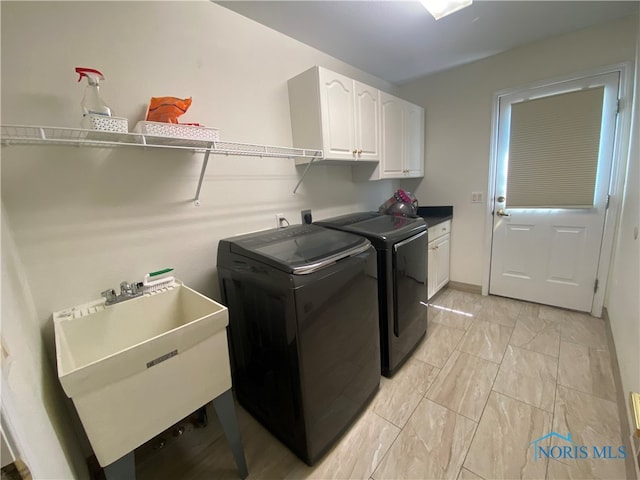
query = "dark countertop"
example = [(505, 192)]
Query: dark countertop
[(435, 215)]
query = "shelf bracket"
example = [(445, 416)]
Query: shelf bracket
[(202, 172), (303, 174)]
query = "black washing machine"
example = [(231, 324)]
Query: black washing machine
[(401, 246), (303, 335)]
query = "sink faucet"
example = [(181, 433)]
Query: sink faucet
[(127, 292)]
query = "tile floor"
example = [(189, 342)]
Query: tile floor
[(492, 375)]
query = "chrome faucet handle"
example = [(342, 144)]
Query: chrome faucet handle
[(130, 289), (109, 294), (127, 288)]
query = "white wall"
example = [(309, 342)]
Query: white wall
[(623, 301), (82, 219), (32, 403), (88, 219), (458, 106)]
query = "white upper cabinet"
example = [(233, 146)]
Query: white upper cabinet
[(337, 110), (335, 113), (414, 140), (393, 145), (401, 141), (367, 100)]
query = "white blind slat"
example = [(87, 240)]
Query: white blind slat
[(553, 150)]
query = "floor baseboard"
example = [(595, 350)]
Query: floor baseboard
[(465, 287), (623, 412)]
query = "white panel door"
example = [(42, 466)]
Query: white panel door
[(442, 246), (392, 117), (367, 122), (338, 116), (414, 131), (548, 255), (431, 269)]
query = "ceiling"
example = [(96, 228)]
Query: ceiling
[(399, 40)]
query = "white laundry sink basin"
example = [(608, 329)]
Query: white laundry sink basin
[(135, 368)]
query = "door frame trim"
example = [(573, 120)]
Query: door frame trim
[(616, 183)]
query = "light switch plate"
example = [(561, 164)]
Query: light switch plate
[(476, 197)]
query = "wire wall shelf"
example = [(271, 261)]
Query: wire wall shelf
[(39, 135)]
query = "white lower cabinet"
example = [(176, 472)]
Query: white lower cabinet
[(438, 255)]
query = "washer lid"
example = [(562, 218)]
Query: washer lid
[(387, 228), (348, 219), (299, 249)]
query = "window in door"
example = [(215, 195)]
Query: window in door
[(553, 150)]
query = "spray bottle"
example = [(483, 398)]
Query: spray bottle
[(92, 102)]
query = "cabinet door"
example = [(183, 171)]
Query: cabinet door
[(431, 270), (367, 121), (338, 116), (414, 140), (392, 117), (442, 250)]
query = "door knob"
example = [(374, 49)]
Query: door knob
[(502, 213)]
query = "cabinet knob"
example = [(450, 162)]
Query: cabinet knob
[(355, 152), (359, 152)]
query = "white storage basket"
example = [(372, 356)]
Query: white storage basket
[(175, 130), (105, 123)]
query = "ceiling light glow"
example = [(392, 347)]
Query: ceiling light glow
[(442, 8)]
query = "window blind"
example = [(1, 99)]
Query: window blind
[(553, 150)]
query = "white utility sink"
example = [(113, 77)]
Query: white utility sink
[(135, 368)]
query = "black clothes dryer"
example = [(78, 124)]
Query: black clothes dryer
[(303, 336), (401, 245)]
